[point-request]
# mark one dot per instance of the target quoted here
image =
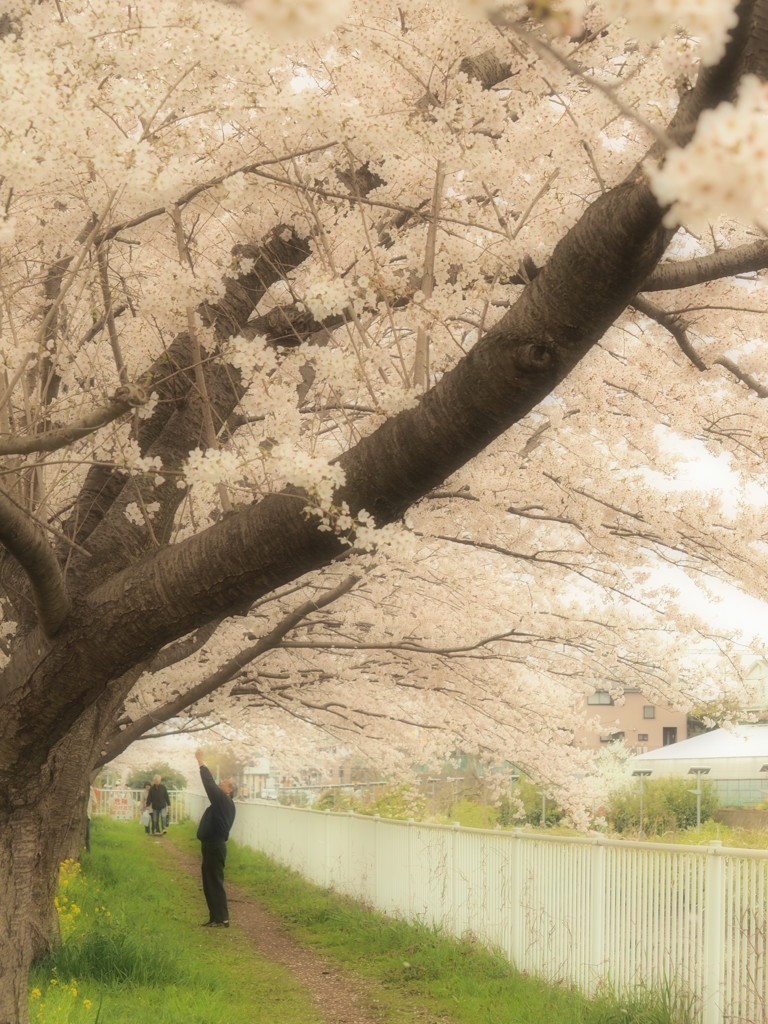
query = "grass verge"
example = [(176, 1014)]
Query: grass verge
[(133, 951), (418, 974)]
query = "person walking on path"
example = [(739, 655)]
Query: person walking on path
[(213, 832), (158, 800)]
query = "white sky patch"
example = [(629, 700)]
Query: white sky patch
[(732, 613), (698, 469)]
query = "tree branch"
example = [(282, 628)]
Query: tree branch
[(121, 740), (124, 400), (744, 259), (25, 540)]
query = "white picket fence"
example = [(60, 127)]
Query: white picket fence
[(127, 804), (581, 911)]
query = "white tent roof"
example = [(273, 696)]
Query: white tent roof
[(738, 741)]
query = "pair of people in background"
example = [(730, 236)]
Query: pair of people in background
[(158, 802)]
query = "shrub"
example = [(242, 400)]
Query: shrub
[(669, 805), (529, 795)]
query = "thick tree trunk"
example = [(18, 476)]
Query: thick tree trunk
[(29, 859), (41, 824)]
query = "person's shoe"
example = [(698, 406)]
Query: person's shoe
[(207, 924)]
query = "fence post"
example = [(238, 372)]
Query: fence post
[(409, 865), (714, 935), (376, 859), (326, 851), (455, 826), (352, 884), (517, 922), (596, 918)]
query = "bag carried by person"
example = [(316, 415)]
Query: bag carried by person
[(145, 818)]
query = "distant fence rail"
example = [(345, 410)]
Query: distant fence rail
[(574, 910), (127, 804)]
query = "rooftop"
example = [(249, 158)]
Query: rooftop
[(737, 741)]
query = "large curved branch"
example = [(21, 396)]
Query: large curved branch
[(593, 273), (25, 540)]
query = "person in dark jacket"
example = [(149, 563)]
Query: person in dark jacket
[(157, 801), (213, 832)]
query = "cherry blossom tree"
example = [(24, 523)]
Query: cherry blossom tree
[(346, 374)]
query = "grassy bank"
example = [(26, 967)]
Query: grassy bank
[(417, 974), (133, 951)]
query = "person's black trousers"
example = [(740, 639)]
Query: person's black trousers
[(214, 858)]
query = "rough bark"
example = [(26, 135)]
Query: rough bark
[(37, 834)]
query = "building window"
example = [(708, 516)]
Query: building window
[(612, 737), (600, 697), (642, 737), (649, 711)]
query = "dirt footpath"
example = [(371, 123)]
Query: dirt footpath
[(339, 999)]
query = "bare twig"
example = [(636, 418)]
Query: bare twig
[(421, 363), (114, 341)]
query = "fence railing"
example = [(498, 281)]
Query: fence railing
[(127, 804), (581, 911)]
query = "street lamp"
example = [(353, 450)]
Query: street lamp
[(642, 774), (698, 771), (453, 779)]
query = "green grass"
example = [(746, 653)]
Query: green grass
[(416, 973), (133, 950), (739, 838)]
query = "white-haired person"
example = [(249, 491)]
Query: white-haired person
[(157, 801)]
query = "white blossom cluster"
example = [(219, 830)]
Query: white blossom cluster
[(146, 411), (213, 466), (291, 19), (324, 294), (709, 20), (723, 171), (315, 475), (252, 357), (397, 542), (129, 456), (394, 399), (137, 515)]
